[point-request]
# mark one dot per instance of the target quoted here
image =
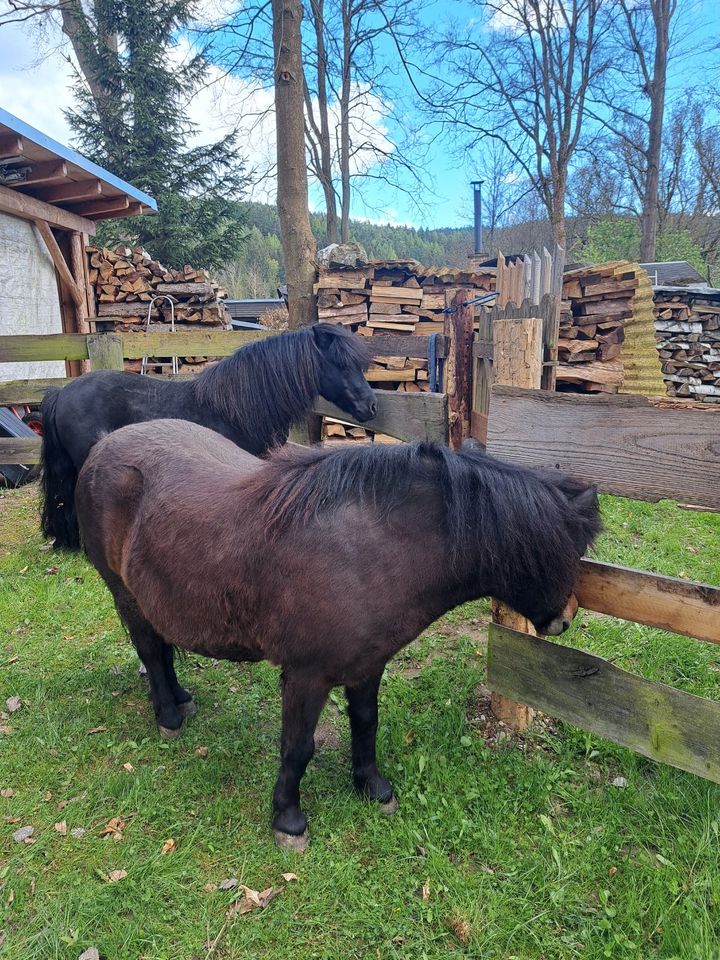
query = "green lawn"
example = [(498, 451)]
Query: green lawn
[(503, 847)]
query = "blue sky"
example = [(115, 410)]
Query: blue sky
[(35, 77)]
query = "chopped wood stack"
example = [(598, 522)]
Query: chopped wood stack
[(687, 325), (597, 303), (394, 297), (126, 281)]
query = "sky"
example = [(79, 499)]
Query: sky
[(35, 78)]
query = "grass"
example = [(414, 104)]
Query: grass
[(503, 847)]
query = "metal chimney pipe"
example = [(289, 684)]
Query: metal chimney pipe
[(477, 198)]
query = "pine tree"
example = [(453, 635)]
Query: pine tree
[(131, 116)]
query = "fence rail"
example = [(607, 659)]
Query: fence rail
[(406, 416)]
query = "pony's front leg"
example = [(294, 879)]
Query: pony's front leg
[(303, 698), (363, 712)]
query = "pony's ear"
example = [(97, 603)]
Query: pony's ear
[(585, 497), (325, 335)]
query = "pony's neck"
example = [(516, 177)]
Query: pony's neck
[(263, 388)]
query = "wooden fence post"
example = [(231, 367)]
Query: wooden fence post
[(105, 351), (458, 367), (517, 362)]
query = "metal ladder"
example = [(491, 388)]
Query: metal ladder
[(174, 362)]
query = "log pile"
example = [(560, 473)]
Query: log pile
[(598, 302), (687, 325), (126, 281), (394, 297)]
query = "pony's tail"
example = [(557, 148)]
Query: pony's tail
[(57, 482)]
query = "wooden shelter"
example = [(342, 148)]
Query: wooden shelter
[(62, 195)]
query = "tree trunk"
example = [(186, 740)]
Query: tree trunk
[(661, 12), (345, 124), (557, 214), (297, 239), (325, 172)]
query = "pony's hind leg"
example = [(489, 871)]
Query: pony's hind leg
[(303, 698), (170, 702), (363, 713), (183, 698)]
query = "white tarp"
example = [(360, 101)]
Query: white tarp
[(28, 295)]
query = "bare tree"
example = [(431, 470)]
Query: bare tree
[(292, 200), (521, 79), (632, 99), (350, 78)]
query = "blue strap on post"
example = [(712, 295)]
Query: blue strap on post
[(432, 362)]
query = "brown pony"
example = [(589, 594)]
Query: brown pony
[(206, 548)]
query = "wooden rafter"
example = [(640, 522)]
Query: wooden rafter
[(10, 146), (80, 190), (43, 173), (106, 205)]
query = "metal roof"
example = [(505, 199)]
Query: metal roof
[(251, 309), (673, 272), (34, 164)]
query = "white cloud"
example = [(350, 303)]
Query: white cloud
[(41, 91)]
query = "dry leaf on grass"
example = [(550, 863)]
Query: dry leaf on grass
[(202, 751), (23, 834), (253, 900), (129, 767), (115, 875), (289, 876), (97, 730), (13, 704), (113, 828), (169, 845), (228, 884), (92, 954), (7, 792), (77, 832), (425, 890), (61, 827)]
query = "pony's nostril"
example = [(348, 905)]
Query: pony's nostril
[(566, 625)]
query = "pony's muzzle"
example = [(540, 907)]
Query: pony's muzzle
[(560, 624)]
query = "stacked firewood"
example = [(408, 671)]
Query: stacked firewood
[(687, 326), (597, 302), (128, 281), (394, 297)]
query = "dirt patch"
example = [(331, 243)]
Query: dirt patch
[(495, 732), (326, 737)]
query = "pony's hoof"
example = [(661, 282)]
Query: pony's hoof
[(291, 841), (187, 709), (390, 807), (169, 733)]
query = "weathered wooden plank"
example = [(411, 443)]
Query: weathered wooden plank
[(27, 391), (105, 351), (410, 346), (625, 444), (668, 603), (652, 719), (19, 450), (43, 346), (200, 343), (407, 416), (28, 208), (459, 367)]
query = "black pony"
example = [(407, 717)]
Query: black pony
[(251, 397), (402, 534)]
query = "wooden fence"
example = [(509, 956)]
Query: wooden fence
[(407, 416), (627, 445), (634, 448)]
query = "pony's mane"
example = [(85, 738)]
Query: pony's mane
[(519, 517), (266, 386)]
